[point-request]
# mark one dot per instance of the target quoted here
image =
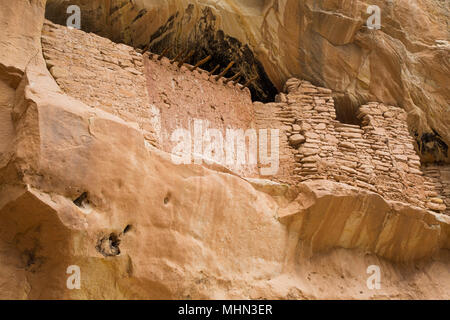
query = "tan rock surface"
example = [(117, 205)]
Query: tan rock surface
[(80, 187), (194, 233)]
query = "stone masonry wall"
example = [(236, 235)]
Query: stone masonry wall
[(280, 116), (158, 94), (378, 156), (182, 95), (438, 181), (100, 73)]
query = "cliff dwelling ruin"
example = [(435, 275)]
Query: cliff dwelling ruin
[(353, 122), (161, 94), (204, 41)]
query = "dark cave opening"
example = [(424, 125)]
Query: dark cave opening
[(205, 40), (172, 39), (346, 110), (430, 146), (246, 69)]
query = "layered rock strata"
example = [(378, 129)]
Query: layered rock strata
[(80, 186)]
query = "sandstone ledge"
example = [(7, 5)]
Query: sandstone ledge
[(235, 245), (72, 176), (326, 215)]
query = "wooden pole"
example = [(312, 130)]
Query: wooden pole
[(235, 82), (178, 57), (186, 58), (145, 49), (214, 70), (225, 71), (249, 82), (200, 63), (233, 77), (163, 53)]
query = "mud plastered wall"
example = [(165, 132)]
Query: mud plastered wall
[(183, 95), (158, 94)]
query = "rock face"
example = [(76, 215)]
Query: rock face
[(405, 63), (85, 186)]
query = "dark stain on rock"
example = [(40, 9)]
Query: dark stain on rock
[(167, 199), (127, 228), (164, 30), (140, 15), (117, 5), (31, 259)]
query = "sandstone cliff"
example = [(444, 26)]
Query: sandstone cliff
[(85, 182), (405, 63)]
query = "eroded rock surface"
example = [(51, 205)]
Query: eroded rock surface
[(81, 186)]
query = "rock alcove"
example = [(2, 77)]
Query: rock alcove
[(176, 38)]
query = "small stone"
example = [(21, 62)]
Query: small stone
[(347, 145), (307, 90), (437, 200), (432, 194), (351, 135), (415, 171), (382, 168), (310, 159), (324, 90), (401, 158), (133, 71), (58, 73), (348, 170), (389, 114), (320, 126), (311, 166), (308, 151), (296, 139), (436, 207), (321, 109), (382, 153), (349, 129), (312, 135), (306, 127)]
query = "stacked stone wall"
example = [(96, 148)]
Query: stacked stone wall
[(378, 155), (100, 73)]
